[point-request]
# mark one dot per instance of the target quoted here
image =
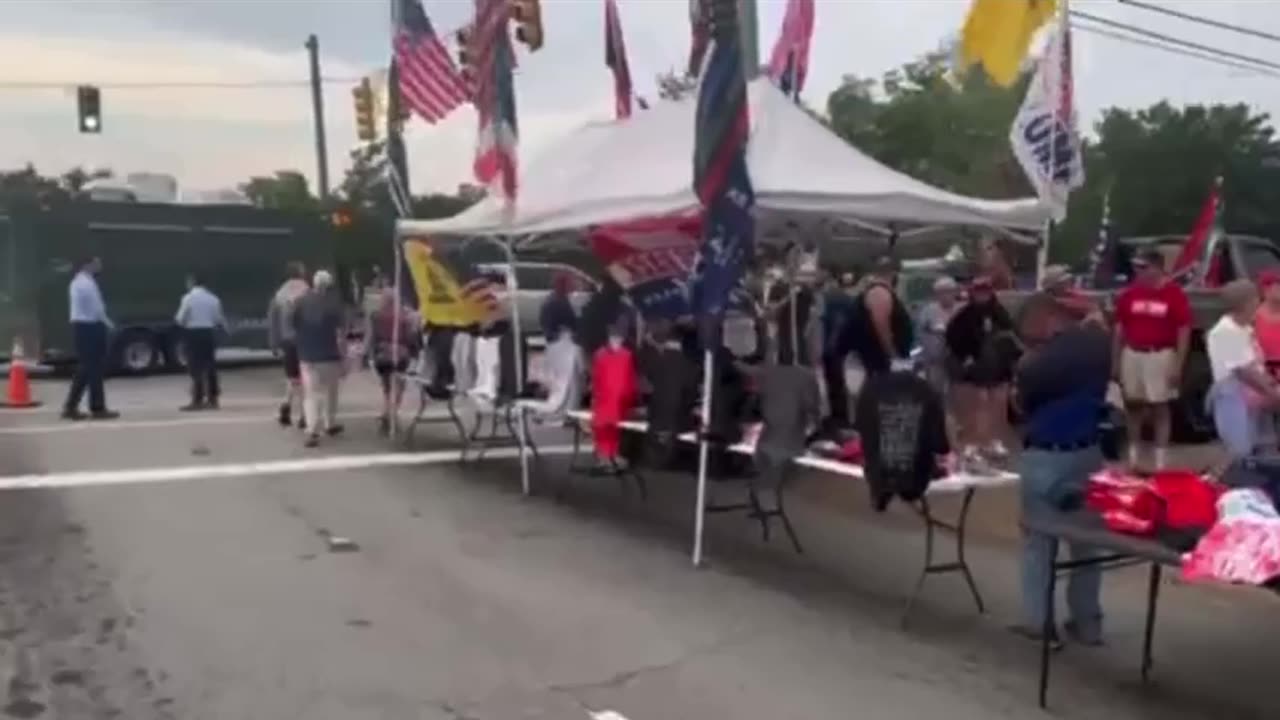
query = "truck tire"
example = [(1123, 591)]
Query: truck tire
[(135, 352), (175, 354)]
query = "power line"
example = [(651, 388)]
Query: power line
[(1175, 40), (1201, 20), (170, 85), (1175, 50)]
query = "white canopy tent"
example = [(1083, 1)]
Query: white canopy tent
[(642, 167), (608, 172)]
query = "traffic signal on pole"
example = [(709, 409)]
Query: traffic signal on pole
[(362, 95), (89, 107), (528, 17), (466, 57)]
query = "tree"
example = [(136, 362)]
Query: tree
[(28, 186), (77, 177), (285, 190)]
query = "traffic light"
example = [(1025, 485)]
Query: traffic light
[(466, 59), (89, 105), (362, 95), (528, 17)]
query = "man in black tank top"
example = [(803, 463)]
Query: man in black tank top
[(881, 328)]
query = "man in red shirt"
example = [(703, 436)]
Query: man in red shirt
[(1153, 331)]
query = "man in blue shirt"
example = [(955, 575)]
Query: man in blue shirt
[(89, 325), (200, 317), (1062, 388)]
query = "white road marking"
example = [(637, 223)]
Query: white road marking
[(185, 420), (332, 463), (136, 406), (608, 715)]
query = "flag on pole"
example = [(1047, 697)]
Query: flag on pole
[(699, 36), (1044, 136), (615, 56), (495, 98), (997, 34), (1198, 260), (789, 63), (1105, 265), (430, 85), (720, 176)]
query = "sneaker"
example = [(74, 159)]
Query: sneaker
[(1037, 635), (104, 415), (285, 417), (213, 405), (313, 440), (997, 451), (1077, 634), (334, 431), (74, 415), (192, 407)]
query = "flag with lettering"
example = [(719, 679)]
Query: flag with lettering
[(1044, 136), (495, 98), (789, 63), (615, 56), (651, 259), (720, 176)]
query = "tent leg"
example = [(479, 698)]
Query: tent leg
[(700, 511)]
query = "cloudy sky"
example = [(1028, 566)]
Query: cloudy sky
[(213, 138)]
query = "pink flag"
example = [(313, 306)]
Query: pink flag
[(790, 60)]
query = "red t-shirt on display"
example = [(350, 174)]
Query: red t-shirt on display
[(1151, 317)]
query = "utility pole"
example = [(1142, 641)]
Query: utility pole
[(317, 110)]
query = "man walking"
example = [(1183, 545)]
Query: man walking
[(317, 323), (1153, 332), (881, 331), (89, 325), (200, 317), (281, 338)]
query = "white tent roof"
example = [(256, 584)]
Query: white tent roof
[(621, 170)]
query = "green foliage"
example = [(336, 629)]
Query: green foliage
[(1159, 163), (285, 190)]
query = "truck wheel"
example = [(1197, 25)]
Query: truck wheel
[(176, 355), (136, 352)]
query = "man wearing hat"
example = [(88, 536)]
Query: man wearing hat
[(1153, 332)]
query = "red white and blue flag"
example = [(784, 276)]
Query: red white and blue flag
[(430, 85), (615, 56), (495, 99), (1199, 262), (699, 35), (720, 176), (651, 259), (789, 63)]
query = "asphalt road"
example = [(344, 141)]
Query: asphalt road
[(224, 595)]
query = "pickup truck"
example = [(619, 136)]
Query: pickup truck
[(1241, 256)]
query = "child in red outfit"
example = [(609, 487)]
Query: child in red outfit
[(613, 392)]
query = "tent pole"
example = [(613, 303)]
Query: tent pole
[(393, 427), (700, 512), (513, 292)]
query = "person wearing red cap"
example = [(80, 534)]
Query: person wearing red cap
[(1266, 321), (1153, 333)]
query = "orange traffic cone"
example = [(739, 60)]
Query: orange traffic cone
[(19, 382)]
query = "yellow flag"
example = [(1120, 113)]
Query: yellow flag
[(998, 33), (442, 299)]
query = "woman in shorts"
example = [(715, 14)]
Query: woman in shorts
[(980, 366), (391, 345)]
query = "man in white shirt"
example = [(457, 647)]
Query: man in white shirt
[(89, 325), (1241, 386), (200, 317)]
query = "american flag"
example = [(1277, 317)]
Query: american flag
[(495, 98), (615, 56), (1103, 267), (720, 176), (789, 63), (430, 84)]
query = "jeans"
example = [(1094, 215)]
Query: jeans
[(91, 364), (320, 382), (1050, 481), (1234, 420), (200, 345)]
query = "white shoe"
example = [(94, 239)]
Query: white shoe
[(997, 450)]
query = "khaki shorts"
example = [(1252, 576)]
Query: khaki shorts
[(1144, 376)]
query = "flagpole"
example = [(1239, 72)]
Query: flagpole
[(699, 518), (1042, 257)]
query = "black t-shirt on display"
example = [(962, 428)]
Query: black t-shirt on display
[(903, 429)]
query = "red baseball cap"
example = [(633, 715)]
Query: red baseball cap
[(1268, 277)]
